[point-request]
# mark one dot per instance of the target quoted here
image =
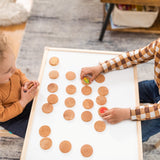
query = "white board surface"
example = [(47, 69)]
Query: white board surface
[(119, 141)]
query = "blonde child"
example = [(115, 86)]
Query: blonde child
[(15, 97), (148, 90)]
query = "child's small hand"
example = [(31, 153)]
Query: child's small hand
[(30, 84), (116, 115), (27, 96), (92, 71)]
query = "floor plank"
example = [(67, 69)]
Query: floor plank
[(10, 148)]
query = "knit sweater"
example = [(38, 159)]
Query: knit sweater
[(128, 59), (10, 94)]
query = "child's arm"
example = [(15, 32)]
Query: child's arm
[(127, 60), (30, 84), (28, 94), (7, 113), (146, 112), (92, 71), (116, 115), (25, 82), (23, 77), (140, 113), (132, 58)]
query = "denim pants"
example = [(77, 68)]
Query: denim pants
[(18, 125), (148, 92)]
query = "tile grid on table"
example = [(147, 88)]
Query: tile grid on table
[(44, 131)]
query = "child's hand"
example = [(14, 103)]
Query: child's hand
[(116, 115), (28, 95), (92, 71), (29, 84)]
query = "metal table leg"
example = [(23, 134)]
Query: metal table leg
[(106, 21)]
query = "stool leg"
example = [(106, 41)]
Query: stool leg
[(106, 21)]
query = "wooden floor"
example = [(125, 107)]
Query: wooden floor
[(15, 35)]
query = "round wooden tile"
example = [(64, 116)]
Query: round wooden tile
[(86, 150), (101, 110), (88, 103), (44, 131), (70, 102), (53, 74), (52, 99), (101, 100), (47, 108), (52, 87), (99, 126), (46, 143), (86, 80), (65, 146), (70, 75), (100, 78), (103, 91), (86, 116), (86, 90), (71, 89), (54, 61), (68, 115)]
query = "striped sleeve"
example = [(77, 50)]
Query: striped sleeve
[(146, 112), (157, 62), (131, 58)]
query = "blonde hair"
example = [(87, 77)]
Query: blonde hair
[(3, 45)]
